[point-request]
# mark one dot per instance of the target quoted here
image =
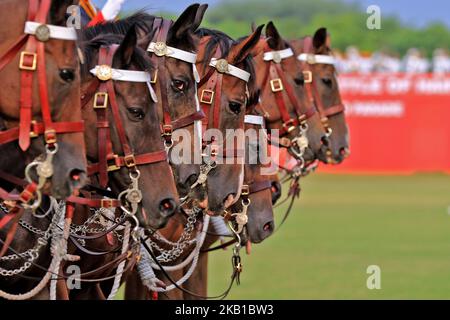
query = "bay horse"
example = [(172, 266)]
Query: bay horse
[(48, 107), (30, 109), (174, 77), (315, 53), (229, 101), (139, 116), (284, 101)]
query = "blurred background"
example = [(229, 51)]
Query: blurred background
[(388, 204)]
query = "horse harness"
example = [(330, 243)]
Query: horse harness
[(32, 60), (307, 59), (279, 84), (160, 51)]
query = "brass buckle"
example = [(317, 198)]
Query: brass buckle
[(106, 203), (276, 85), (167, 130), (210, 94), (33, 132), (115, 166), (50, 136), (245, 190), (24, 54), (105, 100), (130, 161), (155, 77), (307, 76), (289, 125)]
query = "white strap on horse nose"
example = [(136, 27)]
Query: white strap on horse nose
[(56, 32), (277, 56), (125, 75), (253, 119), (223, 66), (316, 58), (161, 49)]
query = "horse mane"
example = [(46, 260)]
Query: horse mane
[(91, 47), (143, 23), (225, 42)]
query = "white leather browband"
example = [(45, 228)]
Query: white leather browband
[(106, 73), (224, 67), (171, 52), (161, 49), (252, 119), (316, 58), (277, 56), (56, 32)]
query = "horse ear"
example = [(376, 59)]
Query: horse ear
[(274, 39), (239, 52), (199, 17), (184, 22), (320, 38), (124, 53), (181, 34), (58, 11)]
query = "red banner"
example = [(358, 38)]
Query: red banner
[(398, 123)]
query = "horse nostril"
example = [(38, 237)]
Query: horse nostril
[(168, 207), (325, 141), (268, 227), (77, 177)]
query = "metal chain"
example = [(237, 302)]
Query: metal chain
[(179, 246)]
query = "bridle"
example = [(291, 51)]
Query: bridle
[(248, 188), (105, 97), (277, 79), (160, 51), (32, 60), (307, 59), (210, 102)]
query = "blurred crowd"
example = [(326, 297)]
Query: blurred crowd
[(413, 62)]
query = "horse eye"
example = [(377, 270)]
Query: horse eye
[(179, 85), (327, 82), (137, 113), (68, 75), (235, 107), (299, 81)]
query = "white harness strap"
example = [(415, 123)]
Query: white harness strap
[(126, 75), (223, 66), (316, 58), (56, 32), (161, 49), (277, 56)]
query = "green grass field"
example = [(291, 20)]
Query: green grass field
[(343, 224)]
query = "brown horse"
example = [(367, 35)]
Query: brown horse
[(232, 108), (61, 90), (140, 120), (173, 77), (326, 89), (284, 101), (225, 110), (52, 102)]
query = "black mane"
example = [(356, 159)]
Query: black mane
[(91, 47)]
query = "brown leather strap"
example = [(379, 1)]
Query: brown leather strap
[(260, 186)]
